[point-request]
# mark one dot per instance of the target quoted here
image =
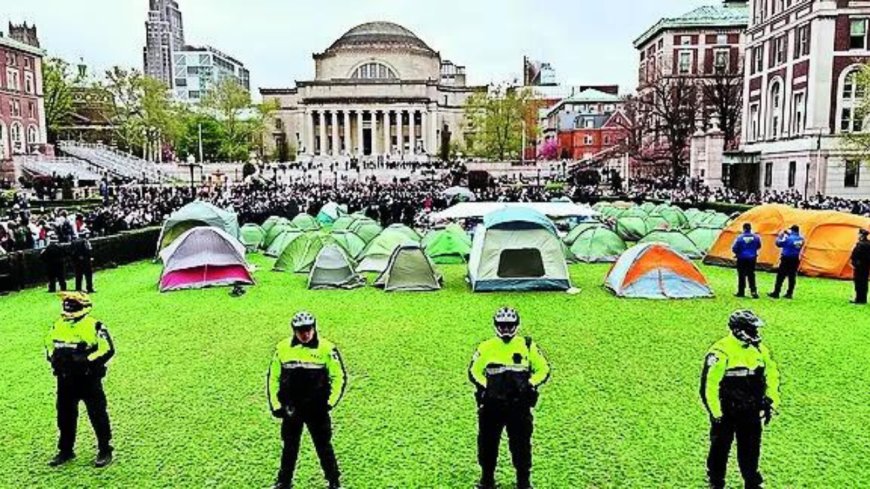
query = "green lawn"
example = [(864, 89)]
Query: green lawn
[(621, 410)]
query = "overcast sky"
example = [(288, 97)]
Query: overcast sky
[(587, 41)]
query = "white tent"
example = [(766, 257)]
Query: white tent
[(553, 210), (333, 269), (204, 257)]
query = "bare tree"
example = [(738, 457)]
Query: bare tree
[(723, 96)]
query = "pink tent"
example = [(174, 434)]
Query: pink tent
[(204, 257)]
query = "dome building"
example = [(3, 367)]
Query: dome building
[(379, 91)]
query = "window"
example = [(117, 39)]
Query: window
[(753, 122), (17, 138), (31, 110), (607, 140), (12, 79), (779, 49), (374, 71), (685, 40), (522, 263), (853, 173), (28, 83), (792, 173), (589, 123), (587, 140), (722, 39), (181, 82), (797, 117), (32, 135), (11, 59), (15, 108), (851, 95), (28, 63), (802, 41), (720, 60), (858, 34), (768, 174), (775, 109), (685, 62), (759, 59)]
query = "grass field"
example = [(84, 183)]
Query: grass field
[(621, 410)]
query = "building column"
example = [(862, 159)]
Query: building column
[(374, 114), (412, 129), (433, 131), (360, 149), (387, 139), (348, 142), (400, 136), (336, 142), (308, 132), (322, 132)]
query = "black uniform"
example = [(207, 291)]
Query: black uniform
[(861, 264), (81, 255), (53, 256)]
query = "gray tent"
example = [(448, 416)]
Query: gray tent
[(409, 270), (333, 270)]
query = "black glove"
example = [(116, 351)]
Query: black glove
[(278, 413), (767, 410)]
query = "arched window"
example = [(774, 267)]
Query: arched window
[(374, 71), (850, 95), (17, 138), (775, 110), (3, 142), (32, 135)]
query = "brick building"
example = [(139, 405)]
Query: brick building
[(22, 107), (585, 124), (800, 97)]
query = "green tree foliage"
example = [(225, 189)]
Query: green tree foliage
[(57, 82), (231, 105), (187, 142), (495, 121)]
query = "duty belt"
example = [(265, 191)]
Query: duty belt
[(743, 372), (304, 365), (68, 346), (505, 368)]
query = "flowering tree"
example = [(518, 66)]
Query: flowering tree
[(549, 149)]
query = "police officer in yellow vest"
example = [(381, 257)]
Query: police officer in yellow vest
[(78, 347), (305, 381), (507, 371), (740, 389)]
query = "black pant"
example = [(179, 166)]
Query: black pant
[(56, 279), (87, 271), (788, 268), (320, 427), (861, 277), (492, 420), (71, 390), (747, 429), (746, 273)]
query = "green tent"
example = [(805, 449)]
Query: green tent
[(333, 269), (377, 253), (677, 241), (598, 245), (300, 254), (691, 213), (406, 231), (657, 221), (343, 223), (633, 212), (631, 228), (366, 229), (648, 207), (409, 270), (599, 206), (451, 245), (704, 237), (576, 230), (330, 212), (675, 217), (276, 231), (350, 243), (197, 214), (305, 222), (717, 220), (277, 246), (252, 236), (272, 221)]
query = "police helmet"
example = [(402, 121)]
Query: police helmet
[(506, 321), (744, 324), (303, 320)]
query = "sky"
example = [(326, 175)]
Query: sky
[(586, 41)]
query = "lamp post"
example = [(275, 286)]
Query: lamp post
[(523, 149)]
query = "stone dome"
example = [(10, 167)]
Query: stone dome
[(380, 35)]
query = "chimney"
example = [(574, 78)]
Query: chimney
[(24, 34)]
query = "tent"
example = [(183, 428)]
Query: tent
[(517, 249), (657, 221), (272, 221), (352, 244), (830, 238), (578, 229), (450, 245), (597, 244), (276, 231), (197, 214), (677, 241), (330, 212), (252, 236), (299, 255), (410, 233), (305, 222), (333, 269), (282, 241), (631, 228), (204, 257), (460, 193), (704, 237), (377, 253), (717, 219), (633, 212), (343, 223), (674, 216), (648, 207), (655, 271), (409, 270), (366, 229)]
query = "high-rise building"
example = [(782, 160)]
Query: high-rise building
[(198, 69), (164, 32)]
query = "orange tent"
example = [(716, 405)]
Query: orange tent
[(830, 237), (656, 271)]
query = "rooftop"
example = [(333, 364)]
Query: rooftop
[(730, 13), (379, 34)]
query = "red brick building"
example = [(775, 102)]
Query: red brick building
[(585, 124), (22, 108), (801, 96)]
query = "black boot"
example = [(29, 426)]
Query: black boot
[(486, 482), (61, 458), (334, 485), (104, 458), (282, 485), (524, 480)]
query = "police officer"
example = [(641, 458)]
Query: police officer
[(861, 266), (81, 251), (306, 380), (78, 347), (507, 371), (746, 248), (53, 257), (740, 389), (791, 242)]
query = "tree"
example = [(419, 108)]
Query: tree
[(261, 125), (723, 96), (549, 149), (495, 119), (668, 106), (230, 103), (57, 83)]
